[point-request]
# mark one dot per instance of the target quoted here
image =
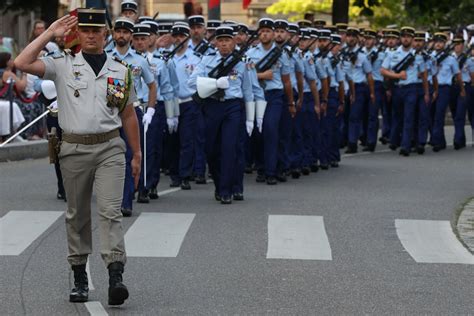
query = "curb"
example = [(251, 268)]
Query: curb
[(464, 224), (24, 150)]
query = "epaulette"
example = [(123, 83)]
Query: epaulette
[(55, 54), (140, 54), (109, 51), (198, 55), (159, 56), (115, 58), (211, 54)]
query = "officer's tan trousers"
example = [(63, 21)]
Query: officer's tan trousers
[(84, 166)]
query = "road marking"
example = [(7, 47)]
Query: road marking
[(95, 309), (431, 242), (157, 234), (297, 237), (165, 192), (89, 277), (18, 229)]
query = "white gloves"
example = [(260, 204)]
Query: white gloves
[(260, 124), (222, 83), (170, 123), (176, 122), (249, 125), (53, 106), (147, 117)]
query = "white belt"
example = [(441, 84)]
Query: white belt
[(185, 100)]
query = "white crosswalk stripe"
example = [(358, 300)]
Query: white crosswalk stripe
[(157, 234), (431, 242), (297, 237), (19, 229)]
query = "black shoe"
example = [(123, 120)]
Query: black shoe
[(248, 170), (305, 171), (260, 178), (185, 185), (153, 195), (143, 197), (126, 212), (175, 184), (226, 200), (369, 148), (324, 167), (334, 164), (404, 152), (192, 177), (314, 167), (200, 180), (271, 181), (118, 292), (437, 148), (458, 146), (80, 292), (351, 149), (295, 173), (420, 150), (383, 140), (393, 147), (238, 196), (217, 196), (281, 177)]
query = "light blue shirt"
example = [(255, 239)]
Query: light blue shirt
[(360, 68), (377, 64), (184, 67), (160, 71), (335, 74), (240, 84), (281, 67), (413, 71), (445, 71), (467, 69), (139, 68), (296, 65)]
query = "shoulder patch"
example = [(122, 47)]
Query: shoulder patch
[(197, 54), (55, 54)]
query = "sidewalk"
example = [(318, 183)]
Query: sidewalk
[(31, 149)]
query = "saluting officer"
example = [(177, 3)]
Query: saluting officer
[(95, 96), (124, 29), (222, 114)]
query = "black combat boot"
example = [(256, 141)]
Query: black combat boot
[(118, 292), (80, 292)]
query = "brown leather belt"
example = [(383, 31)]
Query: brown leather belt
[(90, 139)]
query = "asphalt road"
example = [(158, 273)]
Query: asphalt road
[(222, 265)]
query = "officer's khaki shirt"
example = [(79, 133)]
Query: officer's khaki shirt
[(82, 96)]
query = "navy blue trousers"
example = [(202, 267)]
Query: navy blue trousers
[(223, 124), (462, 105), (330, 131), (373, 113), (403, 115), (239, 168), (199, 167), (356, 112), (441, 104), (308, 129)]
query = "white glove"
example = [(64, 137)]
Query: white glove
[(260, 124), (176, 123), (222, 83), (148, 116), (170, 123), (249, 125), (53, 106)]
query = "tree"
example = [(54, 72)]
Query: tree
[(26, 6)]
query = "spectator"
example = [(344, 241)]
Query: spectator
[(38, 28)]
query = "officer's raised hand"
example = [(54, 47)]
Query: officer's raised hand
[(62, 26)]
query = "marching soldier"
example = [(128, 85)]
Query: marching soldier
[(222, 111), (364, 88), (95, 97), (446, 68), (273, 74), (124, 30)]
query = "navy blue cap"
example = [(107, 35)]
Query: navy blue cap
[(129, 5), (153, 25), (213, 24), (305, 33), (90, 17), (266, 22), (280, 24), (324, 34), (336, 38), (293, 28), (243, 28), (124, 23), (180, 29), (164, 27), (314, 33), (144, 18), (224, 31), (142, 29), (196, 20)]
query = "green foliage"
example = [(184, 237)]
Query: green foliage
[(20, 5)]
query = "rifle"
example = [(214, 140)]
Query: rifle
[(167, 56), (271, 58), (325, 51), (352, 56), (401, 66), (375, 54), (204, 44), (225, 67), (291, 49), (307, 47), (444, 54)]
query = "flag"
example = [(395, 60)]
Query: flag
[(72, 39), (246, 3)]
